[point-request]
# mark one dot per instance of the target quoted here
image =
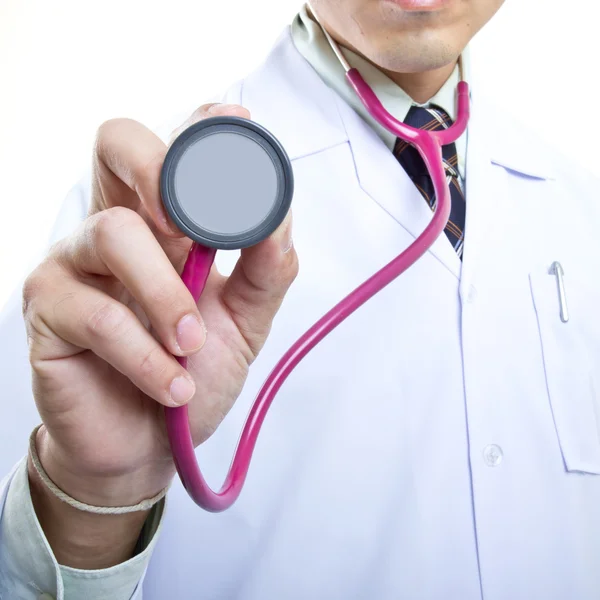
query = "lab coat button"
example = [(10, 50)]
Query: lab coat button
[(492, 455)]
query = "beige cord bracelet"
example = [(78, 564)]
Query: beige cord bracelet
[(100, 510)]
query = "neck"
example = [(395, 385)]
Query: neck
[(421, 87)]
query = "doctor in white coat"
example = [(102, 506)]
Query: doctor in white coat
[(443, 443)]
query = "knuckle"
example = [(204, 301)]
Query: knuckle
[(106, 133), (34, 287), (153, 364), (106, 320), (112, 221), (58, 248), (42, 290), (31, 288)]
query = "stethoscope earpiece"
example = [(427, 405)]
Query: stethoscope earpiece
[(227, 182)]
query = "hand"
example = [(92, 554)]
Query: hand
[(107, 310)]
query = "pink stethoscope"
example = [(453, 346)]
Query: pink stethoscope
[(201, 257)]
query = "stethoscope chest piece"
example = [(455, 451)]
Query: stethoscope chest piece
[(227, 182)]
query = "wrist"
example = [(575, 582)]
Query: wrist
[(83, 536), (122, 486), (84, 540)]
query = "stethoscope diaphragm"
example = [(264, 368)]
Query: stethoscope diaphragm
[(227, 182)]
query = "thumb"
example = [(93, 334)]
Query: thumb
[(262, 276)]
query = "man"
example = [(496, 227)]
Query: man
[(440, 444)]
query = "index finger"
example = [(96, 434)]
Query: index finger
[(128, 158)]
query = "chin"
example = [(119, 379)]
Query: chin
[(412, 53)]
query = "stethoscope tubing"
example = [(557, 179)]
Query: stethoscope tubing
[(195, 274), (197, 268)]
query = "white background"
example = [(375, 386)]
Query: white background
[(68, 65)]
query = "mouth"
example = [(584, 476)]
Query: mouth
[(421, 5)]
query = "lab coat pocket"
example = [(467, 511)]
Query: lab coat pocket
[(567, 308)]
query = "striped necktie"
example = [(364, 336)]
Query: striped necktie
[(434, 118)]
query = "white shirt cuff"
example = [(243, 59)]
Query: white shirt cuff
[(28, 567)]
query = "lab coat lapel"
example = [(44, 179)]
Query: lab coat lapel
[(308, 117), (286, 96), (383, 179)]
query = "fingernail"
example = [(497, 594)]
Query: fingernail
[(191, 334), (182, 390), (223, 108)]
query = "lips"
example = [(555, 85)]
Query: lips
[(421, 5)]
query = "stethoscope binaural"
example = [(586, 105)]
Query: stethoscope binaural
[(220, 211)]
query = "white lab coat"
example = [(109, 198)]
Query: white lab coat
[(444, 442)]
